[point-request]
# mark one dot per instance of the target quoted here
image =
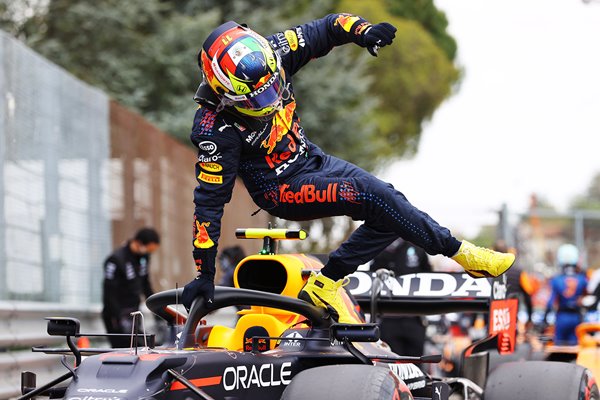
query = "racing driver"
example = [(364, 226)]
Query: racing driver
[(247, 124)]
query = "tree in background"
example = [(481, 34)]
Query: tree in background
[(335, 107), (433, 20), (590, 200), (413, 76), (143, 53), (588, 205)]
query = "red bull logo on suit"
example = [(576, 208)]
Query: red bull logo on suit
[(308, 194), (282, 123)]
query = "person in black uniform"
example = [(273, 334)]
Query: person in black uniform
[(126, 278), (405, 335), (247, 125)]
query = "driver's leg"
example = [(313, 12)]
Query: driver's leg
[(341, 188)]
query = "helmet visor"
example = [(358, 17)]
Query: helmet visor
[(269, 95)]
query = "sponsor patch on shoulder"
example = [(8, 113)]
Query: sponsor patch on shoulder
[(279, 42), (210, 178), (292, 39), (300, 34)]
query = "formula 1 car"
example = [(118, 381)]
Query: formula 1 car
[(284, 348), (585, 353)]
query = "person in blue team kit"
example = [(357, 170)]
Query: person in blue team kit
[(568, 288), (247, 125)]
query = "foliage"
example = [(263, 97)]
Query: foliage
[(332, 112), (143, 53), (140, 52), (413, 77), (433, 20), (486, 236), (541, 203), (590, 200)]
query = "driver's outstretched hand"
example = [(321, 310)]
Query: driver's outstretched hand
[(377, 36), (201, 286)]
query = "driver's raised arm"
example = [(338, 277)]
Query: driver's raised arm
[(300, 44)]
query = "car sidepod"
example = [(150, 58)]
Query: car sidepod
[(219, 373)]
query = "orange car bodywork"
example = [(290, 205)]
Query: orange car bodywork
[(588, 336)]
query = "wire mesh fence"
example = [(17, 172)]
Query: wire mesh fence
[(79, 174), (54, 148)]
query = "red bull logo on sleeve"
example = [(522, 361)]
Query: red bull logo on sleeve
[(346, 21), (308, 194), (202, 240)]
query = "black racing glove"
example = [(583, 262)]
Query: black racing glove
[(201, 286), (204, 284), (377, 36)]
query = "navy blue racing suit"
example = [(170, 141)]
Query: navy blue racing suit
[(292, 178)]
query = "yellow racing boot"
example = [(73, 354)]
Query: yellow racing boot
[(480, 262), (322, 291)]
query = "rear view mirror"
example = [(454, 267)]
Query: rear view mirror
[(63, 326), (355, 333)]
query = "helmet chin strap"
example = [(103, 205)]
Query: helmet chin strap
[(225, 102), (286, 93)]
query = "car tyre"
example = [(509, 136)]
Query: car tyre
[(541, 380), (342, 382)]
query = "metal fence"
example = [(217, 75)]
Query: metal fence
[(54, 147), (79, 174), (151, 183)]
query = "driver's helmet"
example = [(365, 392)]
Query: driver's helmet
[(567, 257), (243, 70)]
